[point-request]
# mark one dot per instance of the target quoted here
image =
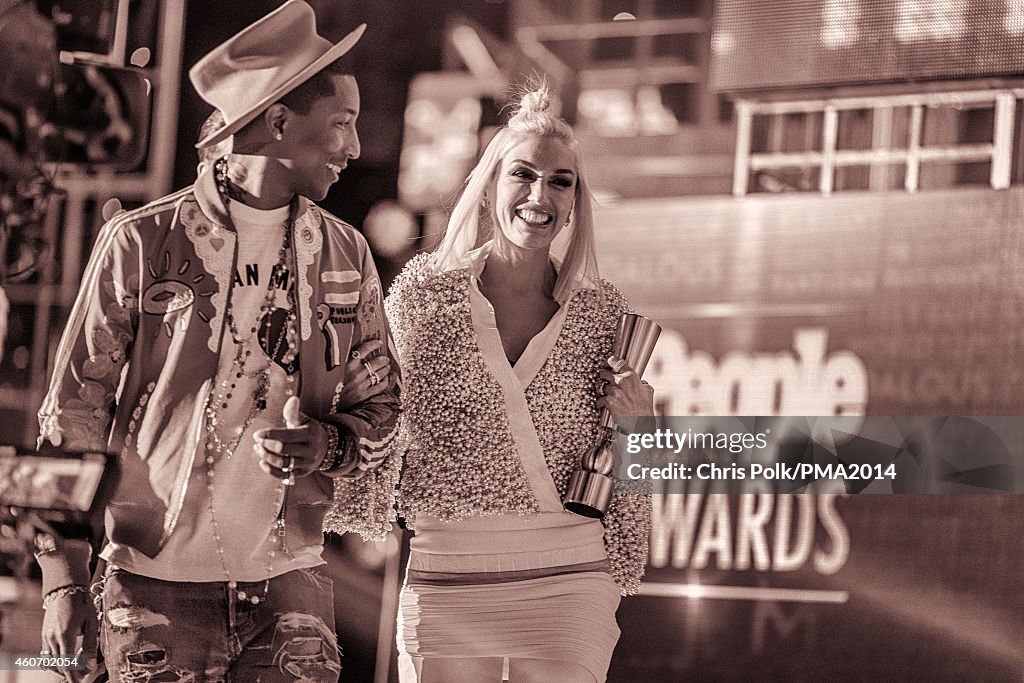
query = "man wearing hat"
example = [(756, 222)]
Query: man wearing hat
[(228, 344)]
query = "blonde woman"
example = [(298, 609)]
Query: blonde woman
[(504, 352)]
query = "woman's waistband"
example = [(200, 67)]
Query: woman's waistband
[(430, 578)]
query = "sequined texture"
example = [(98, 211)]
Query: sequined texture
[(562, 399), (366, 505), (460, 459), (460, 451)]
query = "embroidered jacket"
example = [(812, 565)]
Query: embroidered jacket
[(154, 297), (460, 458)]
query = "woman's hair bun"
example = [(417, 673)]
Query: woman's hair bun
[(535, 101), (534, 114)]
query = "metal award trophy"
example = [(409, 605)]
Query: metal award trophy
[(590, 489)]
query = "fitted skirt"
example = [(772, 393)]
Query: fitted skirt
[(568, 617)]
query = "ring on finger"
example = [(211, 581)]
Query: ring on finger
[(355, 354), (374, 377), (289, 469)]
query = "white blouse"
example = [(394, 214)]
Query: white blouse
[(551, 537)]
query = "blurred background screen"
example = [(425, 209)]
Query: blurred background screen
[(797, 43)]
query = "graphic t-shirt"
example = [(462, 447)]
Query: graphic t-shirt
[(246, 500)]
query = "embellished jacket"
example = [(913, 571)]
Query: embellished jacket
[(152, 303), (459, 454)]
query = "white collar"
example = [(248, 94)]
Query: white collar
[(474, 262)]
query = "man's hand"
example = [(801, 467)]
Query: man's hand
[(66, 618), (296, 450), (359, 383)]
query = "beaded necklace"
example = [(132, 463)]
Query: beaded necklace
[(218, 400)]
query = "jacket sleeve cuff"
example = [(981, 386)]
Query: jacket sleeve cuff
[(369, 445), (67, 565)]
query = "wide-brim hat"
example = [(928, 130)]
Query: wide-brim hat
[(263, 62)]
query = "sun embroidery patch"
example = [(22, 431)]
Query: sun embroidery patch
[(172, 290)]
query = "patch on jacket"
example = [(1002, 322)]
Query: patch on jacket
[(336, 313)]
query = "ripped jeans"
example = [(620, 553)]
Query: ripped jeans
[(155, 630)]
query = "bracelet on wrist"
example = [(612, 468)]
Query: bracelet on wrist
[(333, 455), (63, 591)]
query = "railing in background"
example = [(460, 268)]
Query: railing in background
[(881, 155)]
